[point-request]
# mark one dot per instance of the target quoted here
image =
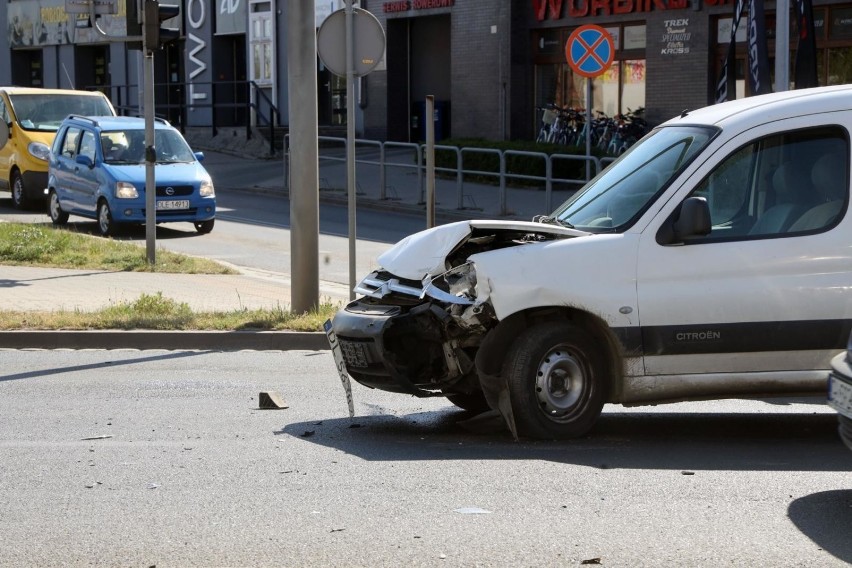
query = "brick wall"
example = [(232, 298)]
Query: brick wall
[(479, 76)]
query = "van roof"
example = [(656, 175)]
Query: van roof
[(36, 91), (751, 111)]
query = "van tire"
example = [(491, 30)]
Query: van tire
[(106, 225), (555, 375), (57, 215), (19, 193)]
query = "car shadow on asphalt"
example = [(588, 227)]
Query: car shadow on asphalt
[(826, 518), (683, 442)]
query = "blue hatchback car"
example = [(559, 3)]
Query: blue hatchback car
[(97, 170)]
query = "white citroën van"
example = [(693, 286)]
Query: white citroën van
[(712, 260)]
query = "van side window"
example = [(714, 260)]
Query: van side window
[(780, 185), (4, 112), (69, 145)]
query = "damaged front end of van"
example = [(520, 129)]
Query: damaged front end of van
[(421, 318)]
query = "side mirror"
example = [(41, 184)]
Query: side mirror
[(199, 156), (85, 161), (691, 219), (694, 219), (5, 133)]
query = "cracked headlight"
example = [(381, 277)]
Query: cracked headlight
[(456, 286), (461, 280)]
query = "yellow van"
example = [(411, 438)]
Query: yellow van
[(30, 118)]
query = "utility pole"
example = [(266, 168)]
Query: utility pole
[(304, 155)]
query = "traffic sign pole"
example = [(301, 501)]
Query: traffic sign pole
[(589, 51), (361, 49)]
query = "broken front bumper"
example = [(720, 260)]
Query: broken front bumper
[(400, 349)]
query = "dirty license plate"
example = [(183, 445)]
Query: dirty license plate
[(840, 395), (173, 204), (355, 354), (337, 354)]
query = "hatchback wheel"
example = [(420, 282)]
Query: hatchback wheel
[(105, 222), (204, 227), (57, 215)]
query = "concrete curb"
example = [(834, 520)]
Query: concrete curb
[(168, 340)]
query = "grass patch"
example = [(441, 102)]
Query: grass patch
[(46, 246), (154, 312)]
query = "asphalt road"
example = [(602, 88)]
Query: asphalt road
[(143, 458)]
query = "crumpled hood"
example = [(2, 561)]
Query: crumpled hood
[(424, 254)]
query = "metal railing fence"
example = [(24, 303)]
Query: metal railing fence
[(410, 156)]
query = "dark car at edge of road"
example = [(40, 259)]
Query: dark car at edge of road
[(840, 392)]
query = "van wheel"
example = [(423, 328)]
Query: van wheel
[(19, 197), (105, 223), (57, 215), (555, 375), (204, 227)]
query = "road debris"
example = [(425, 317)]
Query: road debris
[(271, 400), (101, 437)]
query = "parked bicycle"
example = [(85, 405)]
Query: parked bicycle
[(613, 135), (556, 125)]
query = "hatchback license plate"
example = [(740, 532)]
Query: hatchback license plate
[(173, 204), (840, 395)]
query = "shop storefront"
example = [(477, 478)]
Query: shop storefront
[(488, 64), (669, 53)]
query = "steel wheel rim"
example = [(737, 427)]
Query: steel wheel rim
[(560, 383)]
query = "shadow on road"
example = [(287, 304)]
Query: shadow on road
[(826, 518), (76, 368), (665, 441)]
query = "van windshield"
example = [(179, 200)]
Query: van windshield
[(616, 197), (45, 112)]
